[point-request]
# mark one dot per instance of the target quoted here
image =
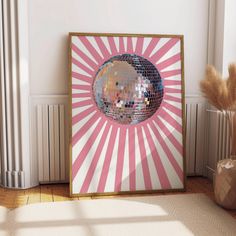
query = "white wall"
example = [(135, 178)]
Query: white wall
[(229, 35), (51, 20), (219, 32), (225, 45)]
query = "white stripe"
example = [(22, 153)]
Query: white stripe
[(80, 109), (146, 42), (178, 157), (167, 100), (125, 185), (173, 86), (75, 91), (106, 43), (172, 148), (92, 40), (176, 95), (171, 128), (162, 134), (83, 48), (125, 43), (151, 165), (173, 131), (161, 43), (80, 177), (134, 42), (79, 145), (77, 69), (81, 123), (175, 104), (173, 51), (110, 184), (81, 99), (174, 77), (138, 162), (80, 82), (97, 173), (177, 118), (78, 58), (117, 44), (171, 173), (175, 66)]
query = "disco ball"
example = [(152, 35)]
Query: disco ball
[(128, 88)]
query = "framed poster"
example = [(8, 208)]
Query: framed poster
[(127, 113)]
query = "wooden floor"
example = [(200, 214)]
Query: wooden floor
[(60, 192)]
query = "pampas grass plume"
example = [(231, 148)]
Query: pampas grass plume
[(220, 92)]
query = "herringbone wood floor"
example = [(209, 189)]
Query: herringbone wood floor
[(60, 192)]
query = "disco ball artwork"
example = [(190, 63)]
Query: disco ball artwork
[(128, 88), (126, 114)]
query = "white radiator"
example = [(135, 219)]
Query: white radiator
[(219, 140), (11, 157), (51, 142), (195, 122), (50, 136)]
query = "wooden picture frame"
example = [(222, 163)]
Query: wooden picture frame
[(127, 124)]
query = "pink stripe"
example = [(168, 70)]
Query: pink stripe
[(170, 61), (82, 103), (83, 56), (81, 87), (107, 161), (82, 67), (139, 46), (168, 152), (95, 160), (121, 45), (146, 173), (81, 95), (130, 45), (91, 49), (81, 77), (132, 167), (173, 109), (164, 181), (151, 46), (164, 49), (86, 148), (81, 115), (170, 136), (85, 128), (102, 48), (112, 45), (166, 74), (171, 98), (168, 118), (172, 90), (120, 160), (172, 82)]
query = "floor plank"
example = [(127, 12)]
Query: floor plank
[(46, 193), (33, 195)]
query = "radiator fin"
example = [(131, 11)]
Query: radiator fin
[(51, 142), (195, 120), (223, 142)]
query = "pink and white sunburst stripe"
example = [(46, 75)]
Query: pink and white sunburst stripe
[(111, 157)]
